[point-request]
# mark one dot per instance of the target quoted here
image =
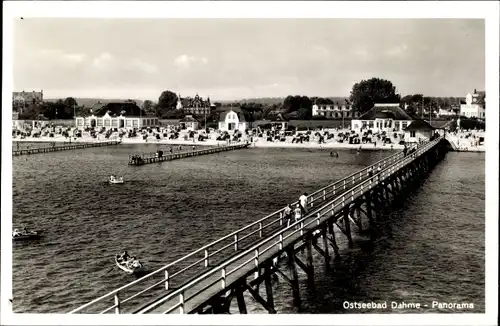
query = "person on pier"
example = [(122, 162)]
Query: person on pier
[(298, 213), (288, 214), (303, 202)]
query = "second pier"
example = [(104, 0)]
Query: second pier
[(159, 156)]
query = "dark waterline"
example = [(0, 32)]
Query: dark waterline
[(167, 210)]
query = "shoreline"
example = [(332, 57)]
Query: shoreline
[(210, 142), (260, 143)]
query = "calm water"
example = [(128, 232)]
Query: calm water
[(166, 210)]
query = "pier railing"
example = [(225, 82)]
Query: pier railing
[(217, 278), (166, 277)]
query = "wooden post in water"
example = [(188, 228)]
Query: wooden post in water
[(333, 240), (294, 279), (309, 262), (324, 235), (269, 288), (241, 300), (347, 225)]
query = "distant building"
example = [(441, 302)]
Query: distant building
[(116, 115), (334, 110), (21, 99), (382, 117), (196, 105), (233, 119), (279, 123), (418, 130), (189, 122), (474, 106)]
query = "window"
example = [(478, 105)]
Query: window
[(370, 124), (114, 123), (135, 123), (412, 134), (80, 122), (106, 123), (128, 123), (99, 122)]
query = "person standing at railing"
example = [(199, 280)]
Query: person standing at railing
[(303, 202), (298, 213), (287, 214)]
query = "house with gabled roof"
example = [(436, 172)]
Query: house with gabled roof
[(386, 117), (126, 114), (418, 130), (474, 106), (233, 119), (189, 122)]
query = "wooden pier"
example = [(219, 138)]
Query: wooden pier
[(62, 148), (209, 278), (156, 157)]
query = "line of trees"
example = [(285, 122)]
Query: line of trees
[(363, 96)]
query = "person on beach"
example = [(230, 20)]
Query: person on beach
[(303, 202), (334, 154), (288, 214), (193, 147)]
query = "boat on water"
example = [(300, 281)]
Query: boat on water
[(26, 235), (129, 266), (113, 179)]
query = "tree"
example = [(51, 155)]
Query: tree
[(149, 107), (166, 102), (70, 101), (375, 90)]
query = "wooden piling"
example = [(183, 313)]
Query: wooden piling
[(309, 262), (347, 225), (294, 276)]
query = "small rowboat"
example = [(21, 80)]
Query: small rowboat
[(31, 235), (135, 267), (115, 180)]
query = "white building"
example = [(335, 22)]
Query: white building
[(382, 117), (418, 130), (116, 115), (334, 111), (474, 106), (189, 122), (233, 119)]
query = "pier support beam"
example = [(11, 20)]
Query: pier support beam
[(242, 307), (309, 262), (332, 239), (347, 225), (294, 280)]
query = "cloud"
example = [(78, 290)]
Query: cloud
[(186, 61), (144, 66), (103, 60), (397, 50), (61, 56)]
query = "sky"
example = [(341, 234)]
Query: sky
[(230, 59)]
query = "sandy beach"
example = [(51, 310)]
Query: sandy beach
[(258, 142)]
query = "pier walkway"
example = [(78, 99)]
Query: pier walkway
[(62, 148), (207, 279), (150, 158)]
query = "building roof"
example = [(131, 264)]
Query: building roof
[(238, 111), (419, 124), (397, 113), (116, 109), (188, 118)]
